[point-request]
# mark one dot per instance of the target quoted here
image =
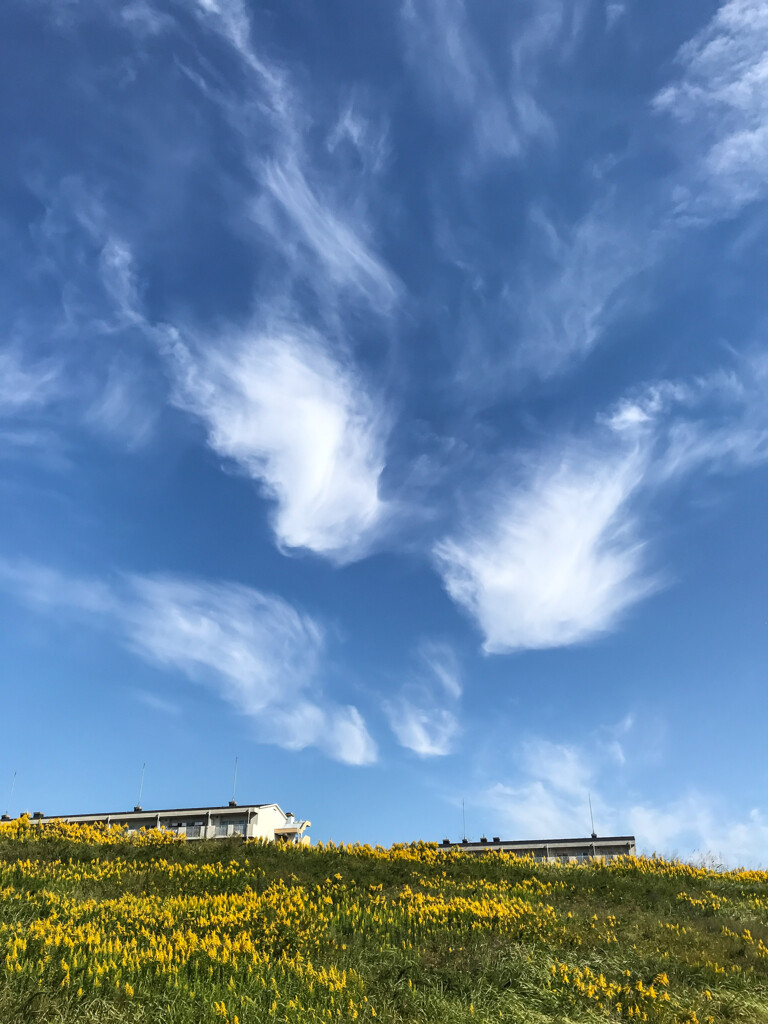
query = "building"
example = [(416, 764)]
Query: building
[(252, 821), (552, 850)]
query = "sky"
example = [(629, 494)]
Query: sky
[(383, 402)]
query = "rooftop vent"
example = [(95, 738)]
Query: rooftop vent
[(446, 842), (483, 839), (233, 803), (38, 814), (137, 809), (496, 839), (464, 841), (5, 817)]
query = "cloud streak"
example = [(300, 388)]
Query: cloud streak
[(299, 420), (497, 108), (549, 799), (422, 714), (25, 386), (720, 101), (254, 650), (552, 554), (555, 560)]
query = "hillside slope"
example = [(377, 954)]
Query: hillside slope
[(99, 927)]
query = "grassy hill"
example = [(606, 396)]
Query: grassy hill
[(97, 927)]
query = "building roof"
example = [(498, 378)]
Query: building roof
[(543, 842), (163, 810)]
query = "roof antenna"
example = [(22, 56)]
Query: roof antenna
[(233, 802), (141, 787), (463, 822), (591, 816), (7, 815)]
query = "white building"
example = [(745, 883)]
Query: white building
[(252, 821)]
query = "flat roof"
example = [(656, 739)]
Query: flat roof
[(542, 842), (159, 810)]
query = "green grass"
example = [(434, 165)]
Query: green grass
[(255, 932)]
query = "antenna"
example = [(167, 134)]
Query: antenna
[(233, 802), (591, 816), (10, 794), (463, 822), (141, 787)]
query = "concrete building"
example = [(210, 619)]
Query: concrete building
[(552, 850), (251, 821)]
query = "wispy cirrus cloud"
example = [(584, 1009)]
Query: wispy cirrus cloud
[(255, 650), (261, 654), (299, 420), (554, 559), (720, 101), (717, 421), (553, 552), (614, 12), (549, 797), (289, 408), (422, 714), (497, 107), (496, 103), (586, 269), (337, 247), (306, 203), (78, 355), (27, 385), (570, 301), (286, 399)]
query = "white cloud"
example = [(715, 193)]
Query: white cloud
[(369, 141), (557, 765), (533, 811), (44, 588), (289, 407), (694, 826), (67, 374), (441, 662), (347, 261), (315, 218), (302, 423), (144, 18), (500, 112), (259, 652), (256, 651), (255, 647), (555, 559), (418, 714), (428, 731), (566, 309), (159, 704), (721, 100), (550, 800), (714, 422), (339, 731), (614, 12), (26, 386)]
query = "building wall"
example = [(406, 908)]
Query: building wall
[(251, 822), (570, 850)]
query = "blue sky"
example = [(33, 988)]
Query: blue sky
[(383, 401)]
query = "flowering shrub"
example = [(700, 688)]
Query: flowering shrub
[(96, 924)]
